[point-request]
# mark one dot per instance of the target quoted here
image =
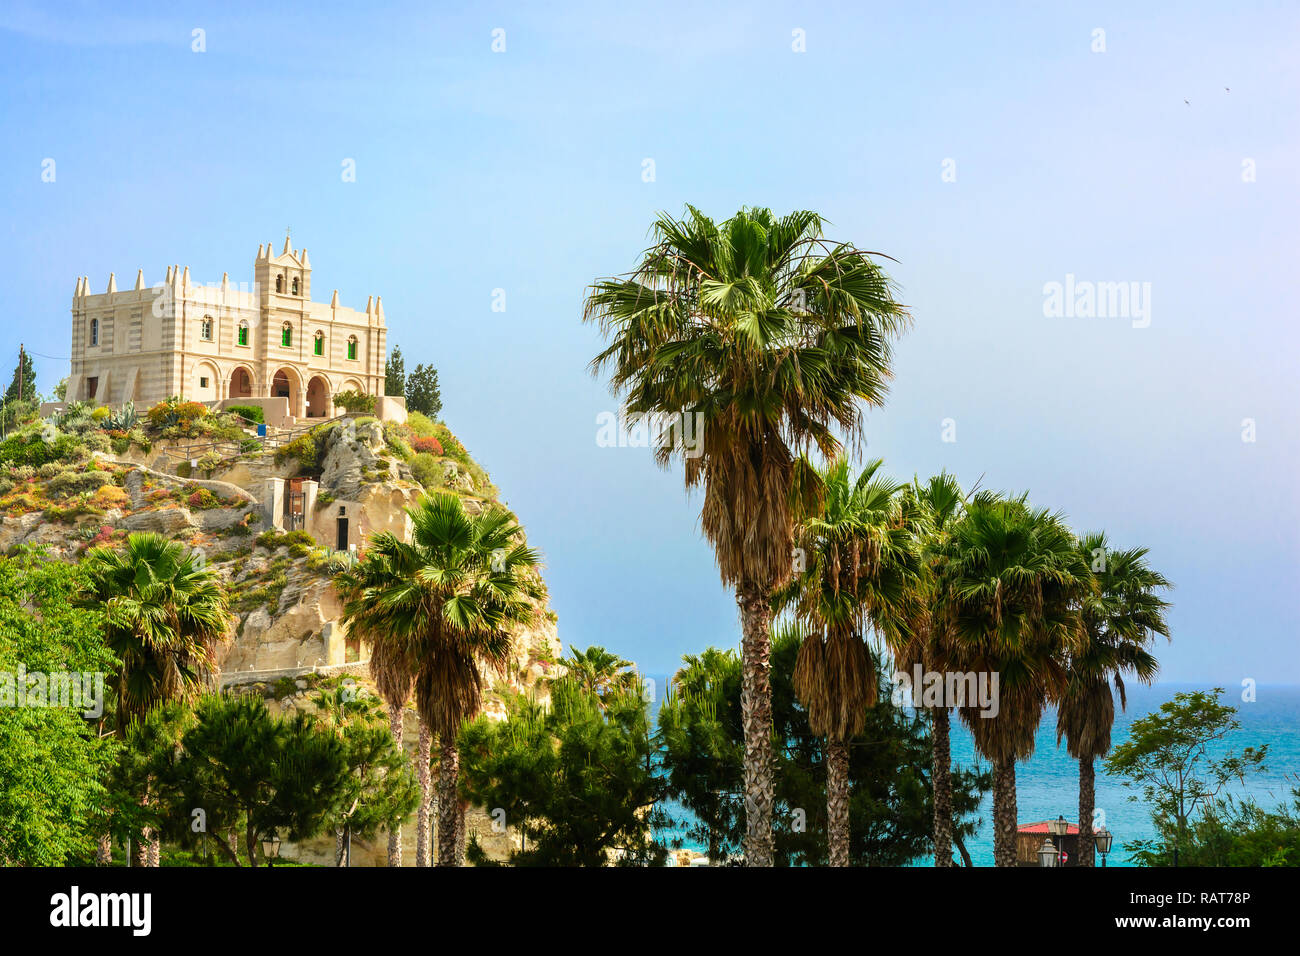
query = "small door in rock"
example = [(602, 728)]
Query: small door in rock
[(343, 533)]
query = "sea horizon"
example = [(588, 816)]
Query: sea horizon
[(1047, 782)]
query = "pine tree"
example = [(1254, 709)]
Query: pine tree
[(422, 393), (26, 372), (395, 374)]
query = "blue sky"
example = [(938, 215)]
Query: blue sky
[(522, 170)]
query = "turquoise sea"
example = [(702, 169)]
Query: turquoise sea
[(1047, 782)]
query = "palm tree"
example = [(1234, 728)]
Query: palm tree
[(598, 672), (165, 612), (931, 510), (1013, 580), (392, 667), (746, 342), (450, 598), (862, 573), (1120, 621)]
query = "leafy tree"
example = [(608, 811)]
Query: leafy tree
[(422, 394), (1234, 832), (61, 390), (354, 401), (578, 779), (395, 373), (744, 342), (380, 788), (1167, 755), (24, 381), (52, 760), (254, 774), (890, 813)]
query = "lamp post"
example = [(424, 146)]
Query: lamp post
[(271, 849), (1058, 828), (1103, 838), (1048, 854)]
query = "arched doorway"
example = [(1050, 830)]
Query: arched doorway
[(284, 384), (318, 398), (241, 383)]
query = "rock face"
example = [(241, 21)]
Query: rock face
[(288, 615)]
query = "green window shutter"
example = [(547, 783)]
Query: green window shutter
[(319, 346), (352, 350), (243, 335), (286, 337)]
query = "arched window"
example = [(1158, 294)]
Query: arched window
[(286, 335), (94, 331), (318, 344), (279, 283), (242, 335), (295, 285), (205, 328), (352, 347)]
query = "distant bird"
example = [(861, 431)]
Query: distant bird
[(1226, 90), (1187, 102)]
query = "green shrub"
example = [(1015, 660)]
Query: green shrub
[(183, 469), (302, 448), (422, 426), (253, 413), (354, 401), (73, 482), (31, 447), (366, 420), (426, 470)]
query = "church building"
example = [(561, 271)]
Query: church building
[(224, 345)]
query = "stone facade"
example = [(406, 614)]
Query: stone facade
[(217, 343)]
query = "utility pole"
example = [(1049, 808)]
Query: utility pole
[(21, 370)]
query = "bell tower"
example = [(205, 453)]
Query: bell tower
[(288, 274)]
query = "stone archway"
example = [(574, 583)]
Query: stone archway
[(319, 399), (241, 383), (285, 384)]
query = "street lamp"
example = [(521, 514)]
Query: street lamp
[(271, 849), (1058, 828), (1103, 838), (1048, 854)]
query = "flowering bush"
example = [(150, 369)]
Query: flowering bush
[(428, 445)]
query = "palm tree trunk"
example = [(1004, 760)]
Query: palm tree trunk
[(461, 807), (837, 801), (756, 717), (1087, 802), (155, 849), (1004, 813), (395, 834), (104, 851), (250, 843), (423, 759), (448, 804), (941, 780), (141, 849)]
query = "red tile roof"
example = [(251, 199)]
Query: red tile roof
[(1041, 827)]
